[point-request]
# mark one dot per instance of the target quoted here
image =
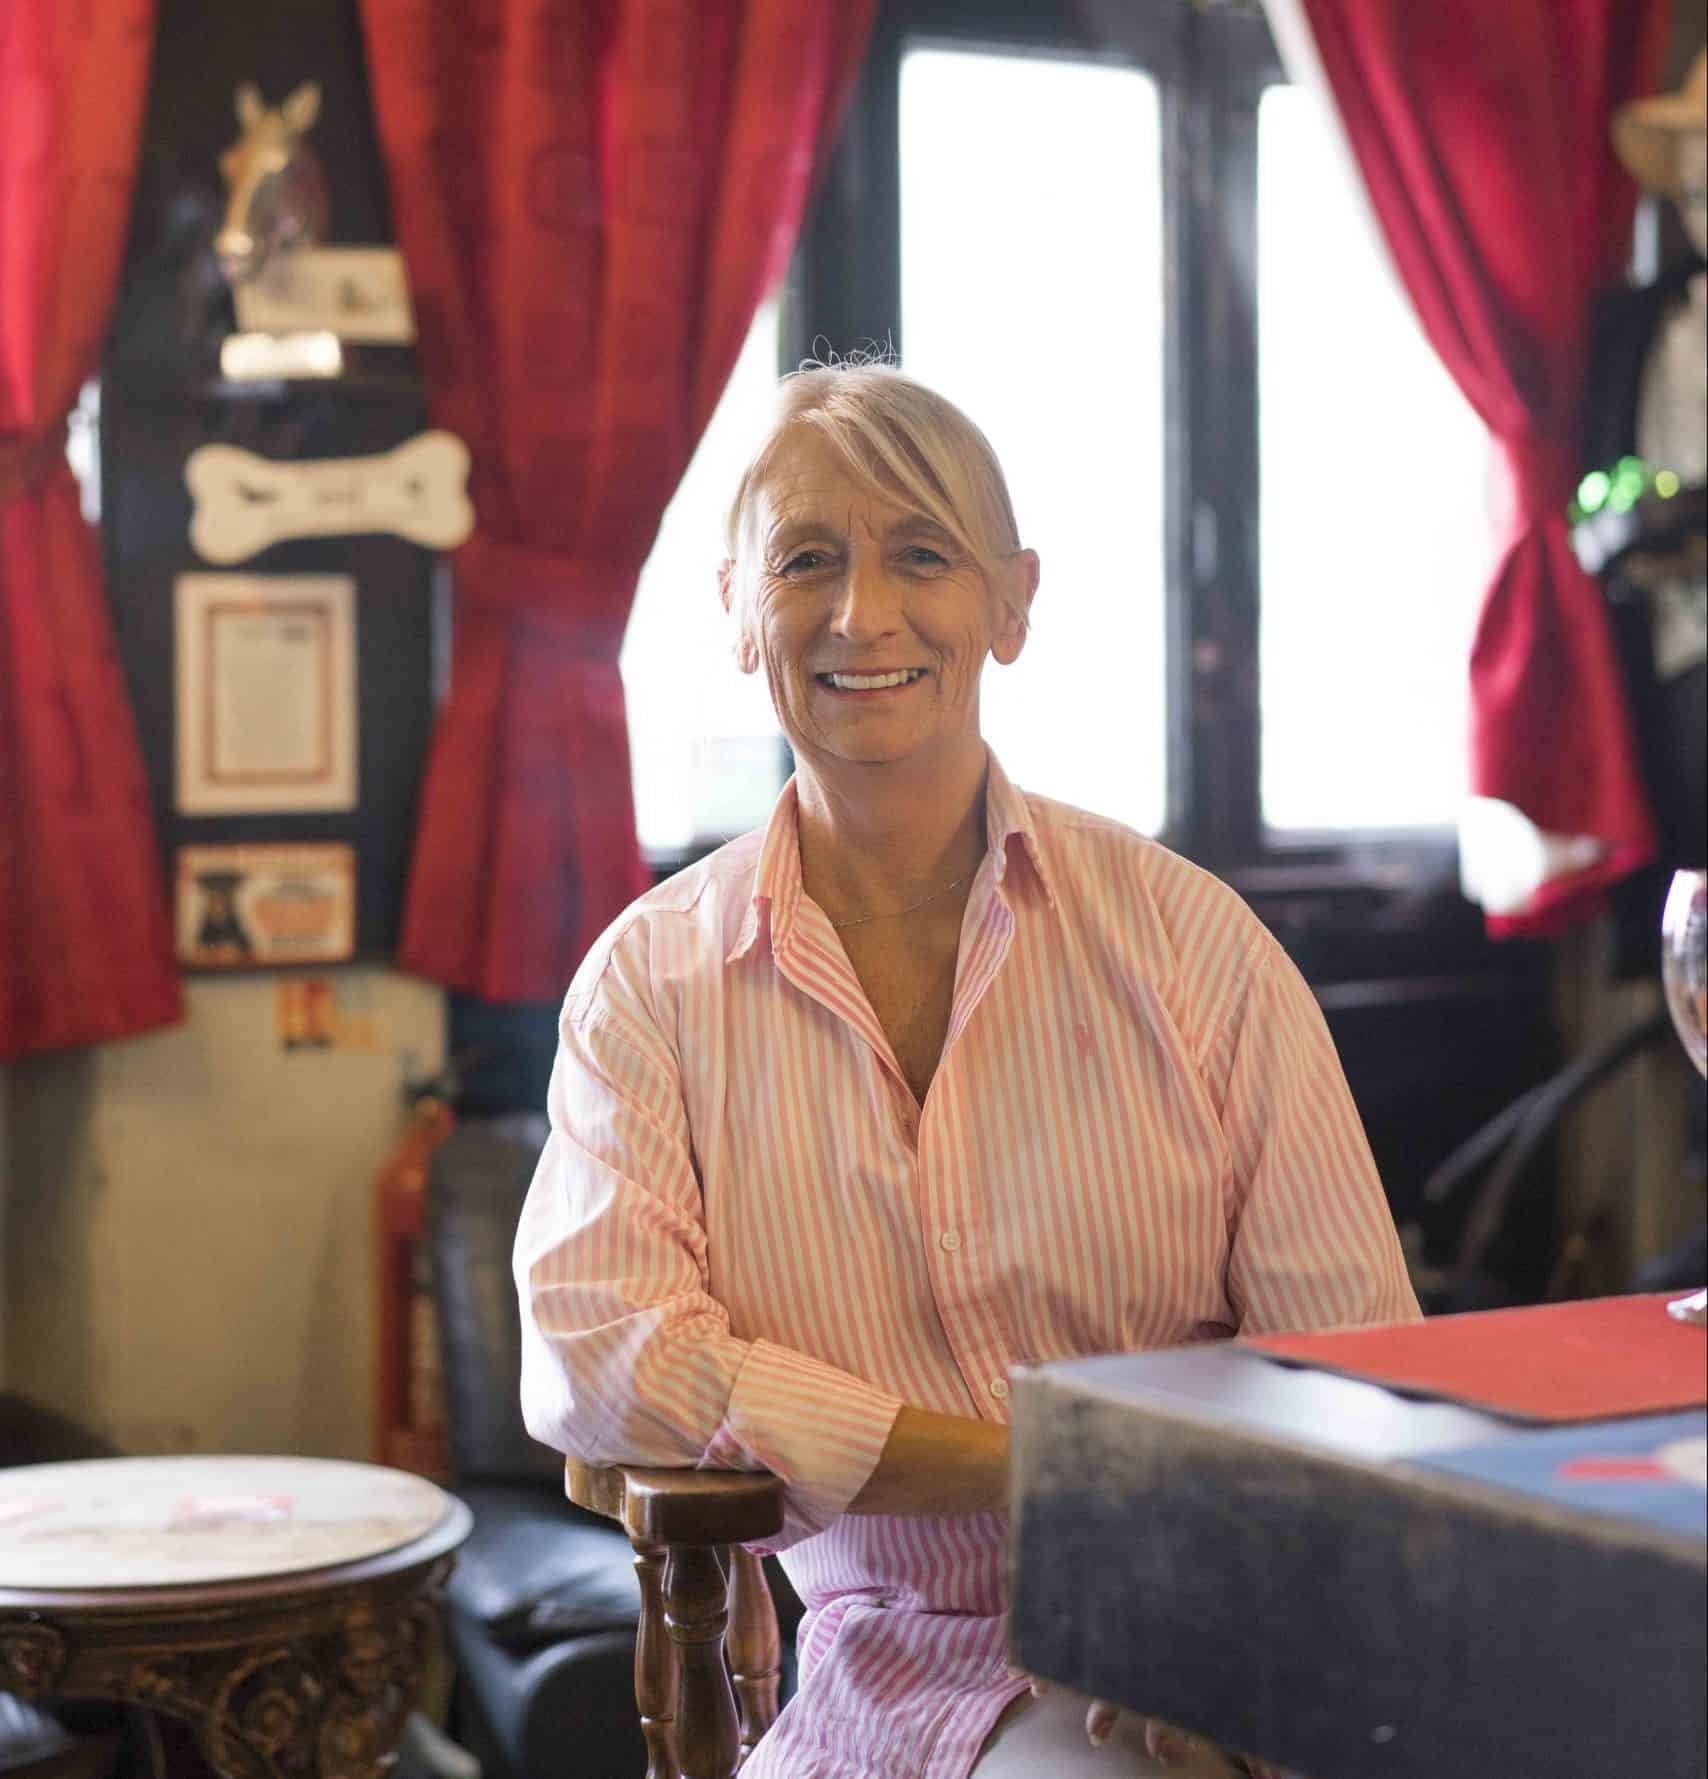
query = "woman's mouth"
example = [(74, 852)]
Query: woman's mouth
[(870, 682)]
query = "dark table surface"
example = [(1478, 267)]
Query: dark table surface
[(1259, 1552)]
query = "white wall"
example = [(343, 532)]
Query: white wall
[(188, 1224)]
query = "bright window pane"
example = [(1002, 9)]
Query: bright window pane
[(1032, 297), (708, 756), (1374, 526)]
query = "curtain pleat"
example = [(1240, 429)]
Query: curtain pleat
[(1481, 134), (85, 940), (592, 197)]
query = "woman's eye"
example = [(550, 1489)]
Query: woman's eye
[(920, 556), (804, 562)]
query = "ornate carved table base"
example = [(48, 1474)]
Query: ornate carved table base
[(322, 1690), (308, 1675)]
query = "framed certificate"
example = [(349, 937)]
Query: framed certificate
[(266, 693), (243, 907)]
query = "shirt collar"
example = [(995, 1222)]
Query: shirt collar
[(777, 881), (1008, 817), (777, 889)]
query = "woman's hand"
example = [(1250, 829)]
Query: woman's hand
[(1164, 1741)]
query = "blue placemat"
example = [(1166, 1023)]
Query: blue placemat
[(1648, 1469)]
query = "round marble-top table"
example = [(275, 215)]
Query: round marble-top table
[(282, 1608)]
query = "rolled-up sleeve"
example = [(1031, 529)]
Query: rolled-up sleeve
[(1314, 1244), (626, 1355)]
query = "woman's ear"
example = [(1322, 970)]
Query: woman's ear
[(1016, 583)]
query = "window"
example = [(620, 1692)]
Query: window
[(1116, 237), (1374, 535), (1035, 303)]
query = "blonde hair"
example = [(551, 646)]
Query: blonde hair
[(898, 438)]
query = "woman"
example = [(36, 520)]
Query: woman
[(927, 1079)]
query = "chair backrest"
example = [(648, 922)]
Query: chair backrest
[(476, 1183)]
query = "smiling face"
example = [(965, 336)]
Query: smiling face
[(871, 621)]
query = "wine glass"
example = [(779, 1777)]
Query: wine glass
[(1684, 971), (1684, 961)]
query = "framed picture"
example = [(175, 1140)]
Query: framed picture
[(266, 694), (356, 293), (244, 907)]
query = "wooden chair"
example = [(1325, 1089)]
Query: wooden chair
[(688, 1528)]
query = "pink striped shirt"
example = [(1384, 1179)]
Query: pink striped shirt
[(747, 1245)]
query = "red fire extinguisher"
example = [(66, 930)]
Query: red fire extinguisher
[(409, 1401)]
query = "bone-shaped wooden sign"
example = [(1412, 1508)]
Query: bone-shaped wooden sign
[(244, 502)]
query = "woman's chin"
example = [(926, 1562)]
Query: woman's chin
[(873, 748)]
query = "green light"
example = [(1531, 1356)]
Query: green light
[(1666, 484), (1594, 489), (1622, 499)]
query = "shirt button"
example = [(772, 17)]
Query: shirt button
[(999, 1388), (949, 1240)]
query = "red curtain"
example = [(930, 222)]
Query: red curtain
[(85, 943), (592, 197), (1481, 131)]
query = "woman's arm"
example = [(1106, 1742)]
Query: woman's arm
[(938, 1464), (627, 1358), (1314, 1243)]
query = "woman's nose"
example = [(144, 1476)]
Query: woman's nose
[(868, 603)]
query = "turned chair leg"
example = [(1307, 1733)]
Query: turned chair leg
[(655, 1667), (755, 1651), (696, 1612)]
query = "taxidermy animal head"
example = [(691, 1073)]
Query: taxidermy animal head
[(275, 194)]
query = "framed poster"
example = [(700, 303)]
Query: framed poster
[(242, 907), (266, 693)]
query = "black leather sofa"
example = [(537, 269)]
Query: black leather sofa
[(542, 1604)]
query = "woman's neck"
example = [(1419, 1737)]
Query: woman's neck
[(874, 838)]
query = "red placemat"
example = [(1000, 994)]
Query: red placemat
[(1587, 1361)]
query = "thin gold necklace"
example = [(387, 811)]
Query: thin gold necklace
[(842, 926)]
